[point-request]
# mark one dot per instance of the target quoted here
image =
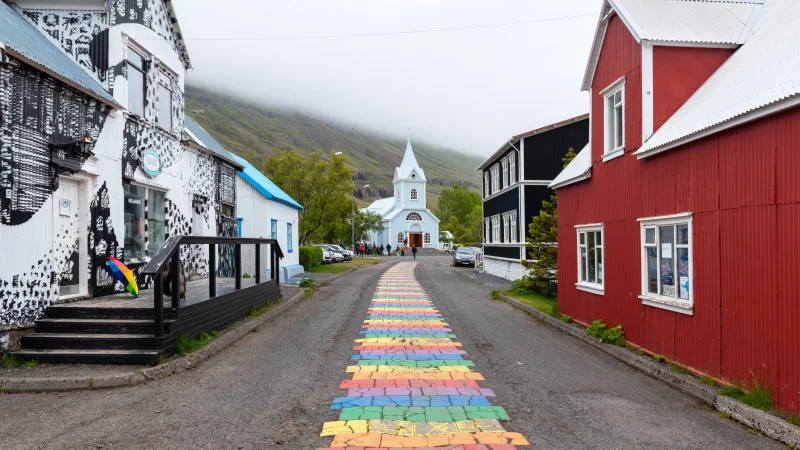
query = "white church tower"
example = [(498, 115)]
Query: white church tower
[(406, 218)]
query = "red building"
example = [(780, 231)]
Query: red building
[(681, 219)]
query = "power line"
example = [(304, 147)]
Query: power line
[(394, 33)]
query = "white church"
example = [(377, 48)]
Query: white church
[(406, 219)]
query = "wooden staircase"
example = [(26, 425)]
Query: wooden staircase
[(70, 334)]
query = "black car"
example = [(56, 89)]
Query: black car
[(464, 256)]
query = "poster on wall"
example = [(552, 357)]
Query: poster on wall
[(64, 207)]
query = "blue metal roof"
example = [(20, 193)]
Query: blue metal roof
[(204, 138), (264, 185), (22, 38)]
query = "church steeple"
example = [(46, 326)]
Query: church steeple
[(409, 168)]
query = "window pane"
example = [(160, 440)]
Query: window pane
[(683, 273), (618, 125), (599, 265), (650, 235), (591, 268), (583, 264), (617, 97), (652, 270), (583, 238), (135, 91), (598, 238), (666, 238), (135, 58), (155, 221), (610, 132), (134, 222), (683, 234), (164, 107)]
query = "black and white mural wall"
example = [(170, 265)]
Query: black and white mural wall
[(36, 111), (156, 15), (226, 224)]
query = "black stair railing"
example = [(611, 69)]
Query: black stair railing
[(168, 259)]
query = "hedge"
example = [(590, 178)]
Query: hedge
[(310, 257)]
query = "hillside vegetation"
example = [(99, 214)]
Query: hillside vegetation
[(254, 131)]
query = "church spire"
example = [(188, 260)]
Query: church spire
[(409, 163)]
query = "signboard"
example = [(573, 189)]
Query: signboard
[(151, 163), (64, 207)]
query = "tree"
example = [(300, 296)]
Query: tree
[(542, 245), (321, 186), (366, 222), (459, 210)]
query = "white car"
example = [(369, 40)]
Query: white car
[(335, 255), (348, 255)]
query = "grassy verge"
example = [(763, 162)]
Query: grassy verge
[(187, 345), (547, 305), (343, 266), (11, 361)]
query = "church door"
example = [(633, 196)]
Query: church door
[(415, 240)]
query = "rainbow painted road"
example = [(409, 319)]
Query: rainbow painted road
[(411, 385)]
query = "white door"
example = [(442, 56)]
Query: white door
[(68, 239)]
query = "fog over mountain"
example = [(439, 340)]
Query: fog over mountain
[(462, 74)]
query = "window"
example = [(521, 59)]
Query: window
[(289, 240), (506, 228), (512, 168), (496, 229), (414, 195), (144, 222), (486, 230), (590, 258), (164, 95), (486, 191), (136, 82), (274, 229), (228, 210), (413, 176), (495, 178), (400, 238), (615, 116), (414, 216), (427, 238), (504, 181), (514, 227), (666, 263)]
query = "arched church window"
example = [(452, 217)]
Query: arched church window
[(400, 238), (427, 238), (414, 194), (414, 216)]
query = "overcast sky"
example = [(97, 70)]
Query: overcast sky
[(469, 89)]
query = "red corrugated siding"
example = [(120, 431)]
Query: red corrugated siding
[(621, 56), (677, 73), (743, 190), (788, 317)]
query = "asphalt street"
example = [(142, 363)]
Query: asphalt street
[(273, 389)]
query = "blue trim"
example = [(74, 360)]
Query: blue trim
[(289, 237), (264, 185), (273, 231), (239, 223)]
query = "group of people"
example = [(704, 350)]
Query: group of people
[(366, 248)]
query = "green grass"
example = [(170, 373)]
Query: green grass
[(708, 381), (495, 295), (660, 358), (186, 345), (794, 420), (759, 396), (347, 265), (11, 361), (678, 369), (547, 305)]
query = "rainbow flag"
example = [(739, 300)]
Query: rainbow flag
[(124, 275)]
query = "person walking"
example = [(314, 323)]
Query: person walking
[(414, 251), (361, 249), (403, 250), (388, 249)]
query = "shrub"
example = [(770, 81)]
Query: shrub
[(596, 329), (307, 283), (310, 257), (613, 336), (495, 295), (566, 318)]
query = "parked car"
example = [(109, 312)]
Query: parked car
[(464, 256), (336, 255), (348, 255), (327, 256)]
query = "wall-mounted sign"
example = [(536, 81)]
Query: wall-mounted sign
[(151, 163), (64, 207)]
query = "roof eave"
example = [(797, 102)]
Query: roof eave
[(584, 176), (77, 86), (597, 45), (236, 164)]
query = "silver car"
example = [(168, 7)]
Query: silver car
[(336, 255)]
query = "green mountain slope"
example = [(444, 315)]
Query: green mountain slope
[(253, 132)]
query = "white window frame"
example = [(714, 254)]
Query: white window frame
[(609, 120), (495, 178), (512, 168), (486, 187), (414, 195), (414, 220), (592, 287), (504, 181), (143, 70), (496, 228), (486, 229), (400, 238), (675, 304), (514, 230), (506, 227), (426, 238)]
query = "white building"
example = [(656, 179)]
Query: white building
[(406, 218)]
